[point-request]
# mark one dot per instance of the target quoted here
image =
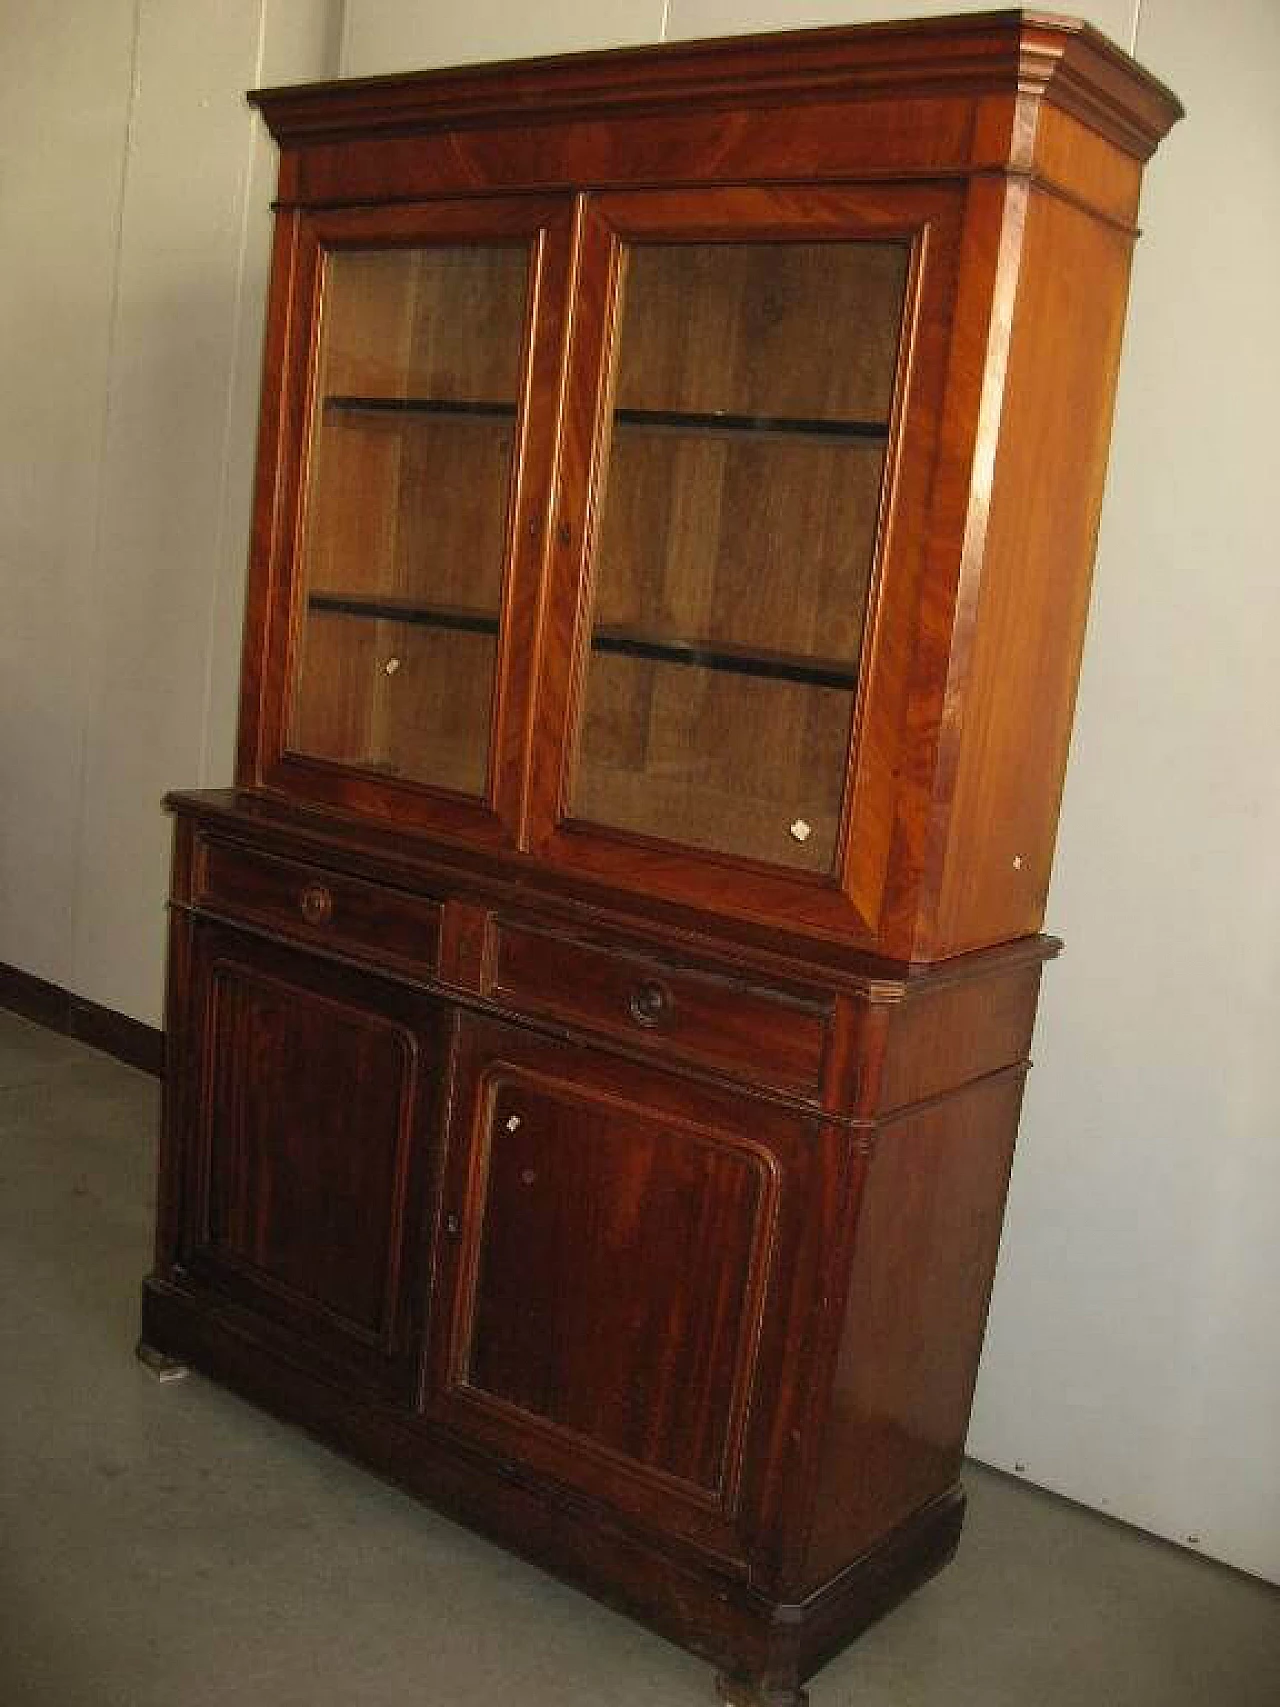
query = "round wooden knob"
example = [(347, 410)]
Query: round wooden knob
[(651, 1003), (315, 903)]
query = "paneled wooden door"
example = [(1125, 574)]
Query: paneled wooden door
[(313, 1167), (422, 377), (618, 1254)]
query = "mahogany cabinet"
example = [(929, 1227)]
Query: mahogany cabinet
[(599, 1013)]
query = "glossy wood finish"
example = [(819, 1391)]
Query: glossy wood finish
[(907, 79), (309, 1227), (1016, 657), (588, 738), (611, 1287), (565, 1294), (858, 818), (447, 683), (928, 1233), (763, 1034), (364, 920), (597, 1040)]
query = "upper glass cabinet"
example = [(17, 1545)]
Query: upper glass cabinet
[(411, 462), (599, 528), (739, 511)]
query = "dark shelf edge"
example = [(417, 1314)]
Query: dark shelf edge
[(747, 426), (770, 667), (660, 420), (420, 616), (421, 406)]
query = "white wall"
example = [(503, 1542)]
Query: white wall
[(401, 35), (64, 106), (133, 222), (1132, 1360)]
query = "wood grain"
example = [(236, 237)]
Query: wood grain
[(1066, 62), (577, 1192), (367, 920), (757, 1032), (310, 1226), (928, 1235), (1041, 530), (659, 450)]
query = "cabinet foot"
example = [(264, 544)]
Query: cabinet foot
[(735, 1692), (159, 1363)]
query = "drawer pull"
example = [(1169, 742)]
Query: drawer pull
[(315, 903), (651, 1003)]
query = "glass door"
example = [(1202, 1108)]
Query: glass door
[(404, 542), (737, 542), (752, 374), (430, 335)]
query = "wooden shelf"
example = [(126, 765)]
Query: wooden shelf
[(706, 654), (703, 654), (714, 424), (459, 408), (717, 425), (454, 617)]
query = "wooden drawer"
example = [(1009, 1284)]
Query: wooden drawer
[(771, 1038), (305, 902)]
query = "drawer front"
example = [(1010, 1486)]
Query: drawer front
[(772, 1039), (320, 907)]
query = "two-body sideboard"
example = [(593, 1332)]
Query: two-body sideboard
[(598, 1016)]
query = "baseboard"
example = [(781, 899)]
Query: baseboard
[(129, 1040)]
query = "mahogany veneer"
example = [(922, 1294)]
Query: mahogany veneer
[(598, 1016)]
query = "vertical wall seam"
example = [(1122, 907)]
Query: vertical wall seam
[(344, 39), (95, 688), (218, 566), (1137, 25)]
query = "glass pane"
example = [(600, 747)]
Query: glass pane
[(754, 386), (406, 518)]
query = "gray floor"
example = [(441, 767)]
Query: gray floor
[(168, 1544)]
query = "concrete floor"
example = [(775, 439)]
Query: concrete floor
[(169, 1544)]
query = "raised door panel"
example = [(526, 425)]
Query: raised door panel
[(757, 380), (311, 1168), (421, 382), (613, 1290)]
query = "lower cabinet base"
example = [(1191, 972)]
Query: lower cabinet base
[(763, 1649)]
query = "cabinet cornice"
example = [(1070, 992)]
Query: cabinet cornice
[(1061, 59)]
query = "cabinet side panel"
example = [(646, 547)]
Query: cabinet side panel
[(950, 1036), (1050, 463), (178, 1088), (274, 480), (925, 1253)]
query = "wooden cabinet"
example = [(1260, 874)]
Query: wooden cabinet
[(620, 1248), (599, 1013), (312, 1096)]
